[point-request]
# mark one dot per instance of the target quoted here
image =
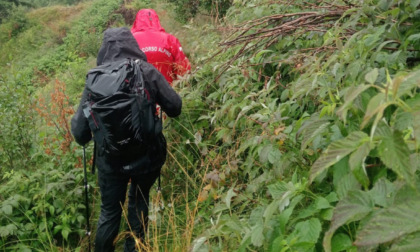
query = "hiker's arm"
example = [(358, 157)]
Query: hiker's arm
[(79, 124), (166, 96), (181, 64)]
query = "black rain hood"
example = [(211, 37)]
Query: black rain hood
[(118, 44)]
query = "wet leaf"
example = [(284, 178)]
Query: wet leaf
[(354, 207), (336, 151), (391, 223)]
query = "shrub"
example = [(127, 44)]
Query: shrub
[(187, 9)]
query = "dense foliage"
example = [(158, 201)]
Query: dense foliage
[(8, 7), (309, 133), (188, 9), (300, 127)]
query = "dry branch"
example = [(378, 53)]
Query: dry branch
[(288, 24), (263, 32)]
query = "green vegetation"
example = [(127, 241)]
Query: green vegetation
[(188, 9), (8, 7), (300, 127)]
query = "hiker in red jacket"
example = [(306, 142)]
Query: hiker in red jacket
[(162, 49)]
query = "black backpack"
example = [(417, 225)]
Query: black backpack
[(119, 109)]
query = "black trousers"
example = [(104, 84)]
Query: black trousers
[(113, 189)]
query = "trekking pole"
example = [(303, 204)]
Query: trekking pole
[(159, 189), (161, 122), (86, 197)]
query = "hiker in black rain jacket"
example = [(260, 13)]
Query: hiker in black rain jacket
[(118, 44)]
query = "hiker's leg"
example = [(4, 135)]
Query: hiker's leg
[(113, 191), (138, 206)]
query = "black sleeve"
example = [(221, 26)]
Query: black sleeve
[(166, 96), (80, 125)]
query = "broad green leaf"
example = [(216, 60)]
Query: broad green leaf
[(336, 151), (23, 248), (7, 230), (274, 156), (357, 165), (7, 209), (321, 203), (409, 243), (391, 223), (370, 40), (372, 76), (354, 207), (351, 94), (394, 153), (375, 106), (307, 231), (197, 245), (270, 210), (285, 200), (285, 215), (339, 170), (316, 129), (340, 242), (246, 241), (278, 244), (283, 192), (230, 194), (416, 126), (264, 152), (407, 193), (327, 214), (257, 235), (65, 233), (353, 69), (311, 127), (403, 120), (285, 95), (233, 222), (306, 212), (278, 189), (332, 197), (51, 209), (343, 179), (383, 130), (256, 216), (415, 162), (383, 193), (335, 133), (414, 4), (408, 83)]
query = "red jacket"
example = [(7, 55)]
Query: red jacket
[(162, 49)]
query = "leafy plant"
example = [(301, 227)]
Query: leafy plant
[(325, 113)]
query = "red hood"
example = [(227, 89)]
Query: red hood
[(147, 19)]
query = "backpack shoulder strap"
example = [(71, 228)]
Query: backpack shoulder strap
[(139, 81)]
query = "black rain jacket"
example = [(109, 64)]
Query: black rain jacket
[(118, 44)]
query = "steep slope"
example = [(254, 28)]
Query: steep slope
[(299, 129)]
